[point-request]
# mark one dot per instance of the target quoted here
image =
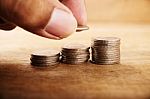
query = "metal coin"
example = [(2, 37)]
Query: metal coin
[(105, 63), (82, 28), (46, 53), (44, 64), (75, 47), (106, 39)]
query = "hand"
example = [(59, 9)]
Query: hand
[(48, 18)]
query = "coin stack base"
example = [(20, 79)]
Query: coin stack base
[(75, 54), (106, 50), (45, 58)]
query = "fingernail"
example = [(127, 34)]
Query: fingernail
[(61, 24)]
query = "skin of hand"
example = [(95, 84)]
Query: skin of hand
[(47, 18)]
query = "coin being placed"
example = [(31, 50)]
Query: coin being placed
[(81, 28), (45, 57)]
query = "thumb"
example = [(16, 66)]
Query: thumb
[(62, 22), (47, 18)]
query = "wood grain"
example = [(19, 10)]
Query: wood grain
[(128, 80)]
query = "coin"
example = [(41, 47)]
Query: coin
[(106, 39), (75, 56), (45, 57), (105, 63), (43, 64), (105, 50), (75, 53), (81, 28), (75, 46), (46, 53)]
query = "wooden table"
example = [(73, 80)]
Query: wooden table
[(128, 80)]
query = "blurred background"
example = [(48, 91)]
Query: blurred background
[(122, 11)]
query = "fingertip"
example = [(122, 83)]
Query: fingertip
[(62, 24), (82, 21), (7, 26), (78, 9), (45, 34)]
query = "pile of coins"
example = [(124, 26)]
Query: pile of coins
[(75, 54), (105, 50), (45, 58)]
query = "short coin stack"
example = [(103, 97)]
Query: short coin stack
[(45, 58), (75, 54), (106, 50)]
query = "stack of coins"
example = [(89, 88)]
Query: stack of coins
[(75, 54), (106, 50), (45, 58)]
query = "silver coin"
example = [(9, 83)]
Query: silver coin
[(44, 64), (106, 53), (99, 53), (44, 61), (46, 53), (74, 62), (75, 53), (77, 59), (105, 47), (44, 58), (82, 28), (73, 58), (76, 56), (105, 42), (106, 39), (75, 47), (105, 63), (105, 58)]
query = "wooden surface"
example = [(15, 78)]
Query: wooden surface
[(128, 80)]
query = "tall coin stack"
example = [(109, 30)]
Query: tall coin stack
[(106, 50), (45, 58), (75, 54)]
